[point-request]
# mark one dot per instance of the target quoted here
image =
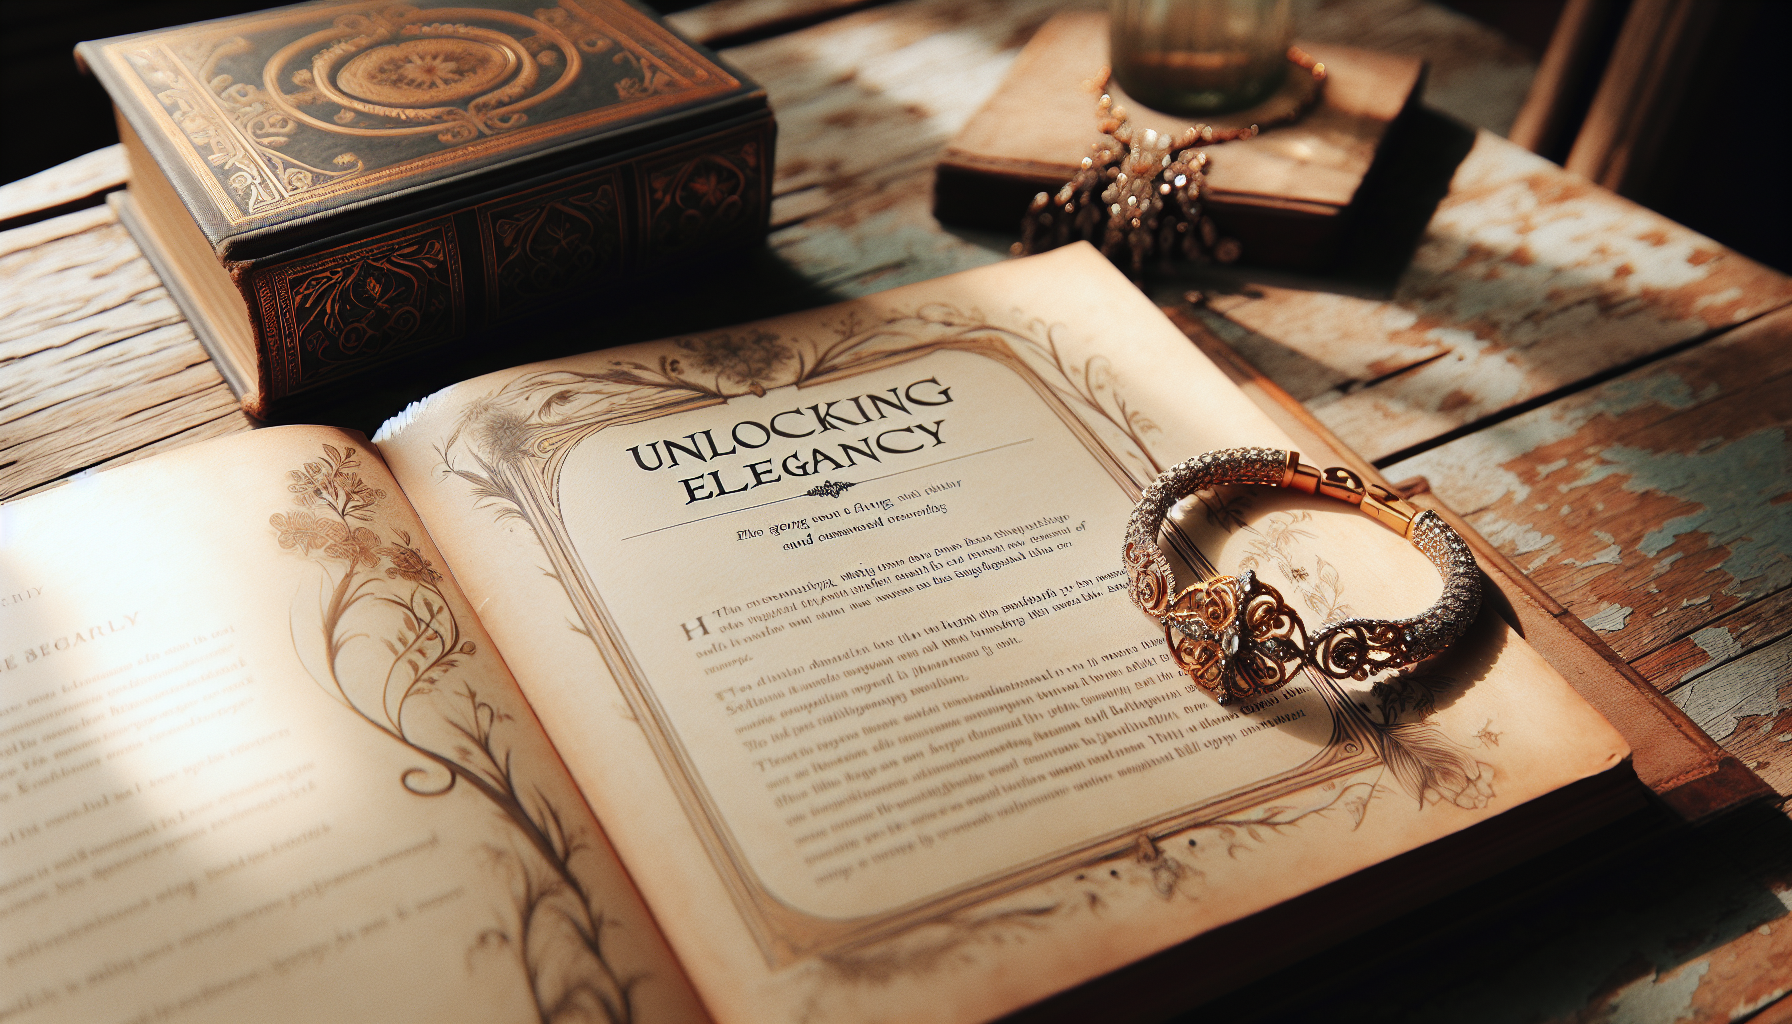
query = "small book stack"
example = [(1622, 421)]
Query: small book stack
[(328, 187)]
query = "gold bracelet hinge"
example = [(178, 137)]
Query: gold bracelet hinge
[(1375, 501)]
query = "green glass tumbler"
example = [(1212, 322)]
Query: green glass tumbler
[(1199, 56)]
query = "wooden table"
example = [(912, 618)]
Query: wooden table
[(1601, 392)]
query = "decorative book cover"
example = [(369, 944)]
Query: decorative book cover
[(374, 179), (280, 115)]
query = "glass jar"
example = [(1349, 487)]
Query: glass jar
[(1199, 56)]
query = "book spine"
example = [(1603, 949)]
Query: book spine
[(327, 315)]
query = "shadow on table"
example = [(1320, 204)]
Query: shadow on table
[(1399, 198), (1572, 935), (1395, 204)]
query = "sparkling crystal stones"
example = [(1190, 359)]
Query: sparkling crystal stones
[(1236, 637)]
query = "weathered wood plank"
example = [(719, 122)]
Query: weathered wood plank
[(1646, 505), (95, 360), (83, 179), (84, 288), (1749, 627), (1778, 1011), (884, 238), (1654, 507), (1695, 931), (162, 399), (1476, 74), (1687, 928), (727, 22), (1527, 280), (230, 422), (884, 86), (1746, 705)]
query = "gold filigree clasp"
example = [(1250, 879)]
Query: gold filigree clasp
[(1235, 637)]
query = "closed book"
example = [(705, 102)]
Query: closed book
[(329, 187)]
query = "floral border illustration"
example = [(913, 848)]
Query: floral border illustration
[(536, 419), (386, 642)]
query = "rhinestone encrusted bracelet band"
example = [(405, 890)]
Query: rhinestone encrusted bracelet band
[(1236, 637)]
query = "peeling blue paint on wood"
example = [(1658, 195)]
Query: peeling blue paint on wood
[(1734, 485), (1609, 555), (1718, 645), (1743, 1009), (1466, 472), (1657, 999), (1522, 539), (1609, 619), (1746, 687)]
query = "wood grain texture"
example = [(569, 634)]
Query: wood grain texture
[(1477, 75), (1695, 929), (1729, 636), (863, 95), (1647, 504), (1527, 280), (865, 103), (1654, 507), (82, 180), (1746, 704), (96, 364), (728, 22)]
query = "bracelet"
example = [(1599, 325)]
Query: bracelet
[(1236, 637)]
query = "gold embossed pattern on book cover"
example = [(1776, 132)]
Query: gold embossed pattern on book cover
[(287, 112), (709, 192), (342, 310), (541, 242)]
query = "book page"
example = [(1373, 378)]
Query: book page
[(828, 615), (259, 761)]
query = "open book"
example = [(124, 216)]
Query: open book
[(822, 618)]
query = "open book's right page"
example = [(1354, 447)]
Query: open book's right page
[(827, 615)]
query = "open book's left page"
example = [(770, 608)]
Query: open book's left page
[(259, 761)]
